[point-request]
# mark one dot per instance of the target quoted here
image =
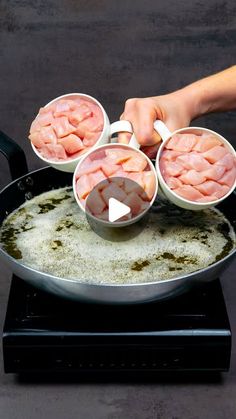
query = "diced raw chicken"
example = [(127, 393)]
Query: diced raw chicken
[(35, 126), (83, 186), (96, 177), (192, 177), (109, 169), (193, 161), (207, 198), (79, 153), (149, 184), (214, 173), (188, 192), (206, 142), (135, 164), (36, 140), (49, 108), (95, 202), (97, 155), (90, 140), (62, 108), (71, 143), (182, 142), (173, 182), (117, 155), (131, 186), (170, 155), (216, 153), (227, 161), (134, 202), (171, 168), (119, 177), (45, 119), (84, 114), (228, 178), (91, 124), (137, 177), (80, 114), (48, 136), (53, 151), (210, 187), (89, 166), (62, 127), (113, 191)]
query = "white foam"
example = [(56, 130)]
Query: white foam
[(164, 249)]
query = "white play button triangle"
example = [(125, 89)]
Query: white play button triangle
[(116, 210)]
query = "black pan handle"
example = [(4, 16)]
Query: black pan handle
[(15, 156)]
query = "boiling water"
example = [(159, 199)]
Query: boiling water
[(49, 233)]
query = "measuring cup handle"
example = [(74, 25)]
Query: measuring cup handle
[(124, 126), (162, 130), (121, 126)]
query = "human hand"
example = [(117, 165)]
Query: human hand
[(172, 109)]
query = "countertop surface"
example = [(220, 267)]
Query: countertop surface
[(112, 50)]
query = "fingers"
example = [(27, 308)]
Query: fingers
[(124, 137), (142, 113), (151, 151)]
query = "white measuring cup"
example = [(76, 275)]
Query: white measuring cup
[(116, 145), (165, 134), (108, 130)]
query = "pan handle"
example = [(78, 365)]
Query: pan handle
[(15, 156)]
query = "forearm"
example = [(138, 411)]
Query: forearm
[(211, 94)]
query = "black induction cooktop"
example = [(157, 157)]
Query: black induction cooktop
[(43, 333)]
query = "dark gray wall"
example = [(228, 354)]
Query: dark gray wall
[(110, 49)]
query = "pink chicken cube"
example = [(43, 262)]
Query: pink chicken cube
[(95, 202), (36, 140), (208, 198), (188, 192), (80, 114), (109, 169), (173, 182), (192, 177), (53, 151), (96, 177), (47, 135), (182, 142), (62, 126), (205, 142), (113, 191), (35, 126), (45, 119), (216, 153), (227, 161), (83, 186), (228, 178), (170, 155), (210, 187), (118, 156), (149, 181), (134, 202), (88, 166), (135, 164), (193, 161), (71, 143), (214, 173), (170, 168)]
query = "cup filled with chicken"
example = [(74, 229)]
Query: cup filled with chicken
[(196, 167), (68, 127)]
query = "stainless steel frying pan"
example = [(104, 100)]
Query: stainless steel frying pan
[(45, 179)]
